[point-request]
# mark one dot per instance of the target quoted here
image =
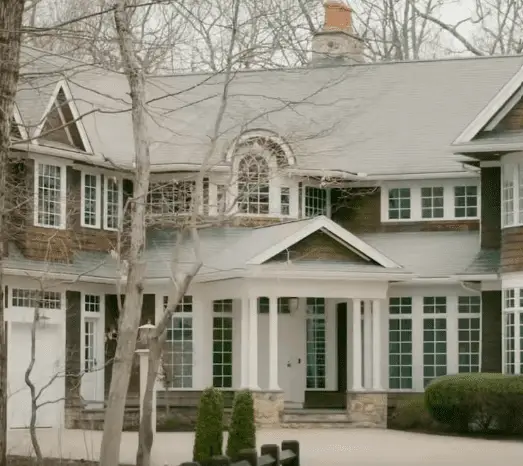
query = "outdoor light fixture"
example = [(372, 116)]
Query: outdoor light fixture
[(293, 304), (145, 333)]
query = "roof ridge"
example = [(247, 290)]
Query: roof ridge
[(285, 222)]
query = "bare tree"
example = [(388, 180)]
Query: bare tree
[(11, 14)]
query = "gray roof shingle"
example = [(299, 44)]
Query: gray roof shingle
[(376, 118)]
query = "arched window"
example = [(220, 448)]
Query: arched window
[(253, 184)]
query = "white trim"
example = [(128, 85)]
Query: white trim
[(17, 116), (323, 223), (491, 109), (507, 107), (63, 194), (62, 85), (98, 221), (119, 180), (423, 176)]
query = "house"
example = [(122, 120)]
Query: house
[(363, 231)]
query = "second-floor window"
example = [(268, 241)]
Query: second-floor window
[(432, 202), (172, 197), (91, 200), (253, 185), (465, 201), (316, 201), (512, 195), (50, 195), (399, 203), (113, 197)]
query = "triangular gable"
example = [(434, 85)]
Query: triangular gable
[(61, 121), (356, 248), (503, 103), (18, 130)]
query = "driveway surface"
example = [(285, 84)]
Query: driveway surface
[(334, 447)]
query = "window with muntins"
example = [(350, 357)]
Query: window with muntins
[(434, 338), (432, 202), (316, 344), (50, 205), (91, 200), (469, 333), (113, 202), (222, 343), (284, 305), (171, 198), (253, 185), (400, 343), (285, 200), (36, 299), (513, 331), (316, 201), (399, 203), (178, 354), (512, 195), (465, 201)]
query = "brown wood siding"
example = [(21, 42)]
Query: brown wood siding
[(491, 207), (512, 250), (73, 327), (362, 214), (491, 331), (318, 246), (513, 120)]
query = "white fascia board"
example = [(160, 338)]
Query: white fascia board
[(68, 277), (493, 107), (325, 274), (315, 225)]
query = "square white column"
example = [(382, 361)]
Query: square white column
[(273, 343), (356, 345), (253, 344), (367, 344), (244, 339), (376, 345)]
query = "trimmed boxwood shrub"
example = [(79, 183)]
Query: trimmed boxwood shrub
[(242, 430), (412, 414), (208, 441), (477, 402)]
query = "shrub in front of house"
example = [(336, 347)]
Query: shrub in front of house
[(412, 414), (242, 429), (479, 402), (208, 440)]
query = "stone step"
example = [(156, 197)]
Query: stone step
[(314, 416), (317, 425)]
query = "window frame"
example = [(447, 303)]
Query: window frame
[(223, 309), (119, 180), (328, 205), (400, 310), (466, 207), (469, 309), (512, 317), (511, 205), (98, 200), (63, 193), (433, 199)]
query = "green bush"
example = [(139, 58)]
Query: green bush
[(208, 440), (412, 414), (479, 402), (242, 429)]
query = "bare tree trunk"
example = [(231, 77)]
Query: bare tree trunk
[(130, 319), (32, 388), (11, 13)]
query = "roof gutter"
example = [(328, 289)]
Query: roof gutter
[(422, 176), (346, 175), (69, 277), (487, 148)]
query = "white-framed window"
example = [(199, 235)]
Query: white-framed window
[(113, 202), (285, 200), (92, 303), (50, 195), (316, 201), (432, 202), (469, 333), (179, 345), (399, 204), (222, 343), (400, 343), (316, 344), (512, 195), (34, 298), (90, 345), (284, 305), (513, 331), (466, 201), (254, 185), (434, 337), (171, 198), (91, 186)]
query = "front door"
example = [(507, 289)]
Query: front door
[(93, 373), (291, 372)]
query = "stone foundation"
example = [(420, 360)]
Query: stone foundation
[(268, 408), (367, 409)]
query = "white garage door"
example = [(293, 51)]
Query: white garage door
[(47, 365)]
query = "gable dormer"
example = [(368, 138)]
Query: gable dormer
[(62, 122)]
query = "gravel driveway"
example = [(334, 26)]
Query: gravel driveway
[(347, 447)]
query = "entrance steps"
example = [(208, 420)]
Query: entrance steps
[(316, 418)]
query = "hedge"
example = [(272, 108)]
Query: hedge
[(208, 440), (242, 429), (412, 414), (477, 402)]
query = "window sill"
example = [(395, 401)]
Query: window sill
[(91, 227), (430, 220), (50, 227)]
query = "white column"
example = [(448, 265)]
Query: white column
[(253, 344), (376, 345), (144, 368), (273, 343), (244, 338), (356, 344), (367, 344)]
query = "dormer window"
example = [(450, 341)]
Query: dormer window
[(253, 185)]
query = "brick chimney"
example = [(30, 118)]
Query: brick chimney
[(336, 43)]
